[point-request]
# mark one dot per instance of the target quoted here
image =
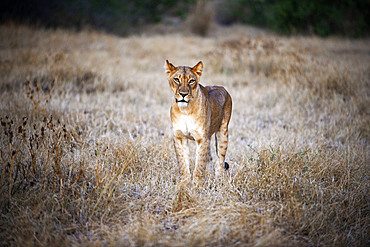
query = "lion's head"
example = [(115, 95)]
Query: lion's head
[(183, 81)]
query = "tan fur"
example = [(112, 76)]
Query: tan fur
[(198, 112)]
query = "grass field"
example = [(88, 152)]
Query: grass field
[(87, 157)]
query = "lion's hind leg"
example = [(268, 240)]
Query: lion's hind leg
[(221, 148), (222, 141)]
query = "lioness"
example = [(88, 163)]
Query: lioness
[(197, 112)]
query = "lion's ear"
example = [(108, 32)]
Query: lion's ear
[(198, 68), (169, 67)]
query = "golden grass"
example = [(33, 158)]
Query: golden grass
[(87, 157)]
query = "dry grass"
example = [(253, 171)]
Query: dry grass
[(87, 157)]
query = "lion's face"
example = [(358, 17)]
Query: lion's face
[(183, 81)]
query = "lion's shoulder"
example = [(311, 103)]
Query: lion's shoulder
[(218, 93)]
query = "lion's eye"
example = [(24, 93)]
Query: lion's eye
[(191, 81), (177, 80)]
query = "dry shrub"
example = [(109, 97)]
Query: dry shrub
[(46, 163), (201, 18)]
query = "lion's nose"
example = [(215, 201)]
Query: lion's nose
[(183, 94)]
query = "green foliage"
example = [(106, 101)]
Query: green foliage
[(348, 18), (343, 17), (111, 15)]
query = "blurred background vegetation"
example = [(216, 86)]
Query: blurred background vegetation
[(331, 17)]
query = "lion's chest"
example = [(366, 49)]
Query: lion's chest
[(187, 126)]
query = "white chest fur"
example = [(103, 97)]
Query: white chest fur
[(187, 125)]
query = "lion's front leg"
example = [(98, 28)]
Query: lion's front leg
[(182, 153), (202, 156)]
